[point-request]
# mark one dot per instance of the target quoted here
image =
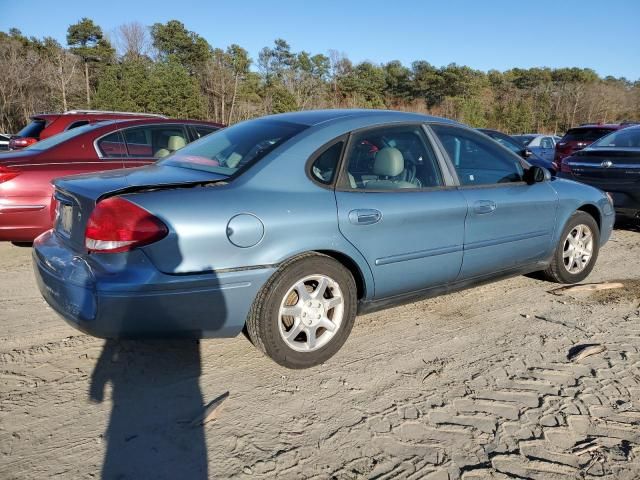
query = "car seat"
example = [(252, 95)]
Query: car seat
[(175, 142), (389, 164)]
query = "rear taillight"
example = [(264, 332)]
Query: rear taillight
[(117, 225), (7, 174), (22, 142)]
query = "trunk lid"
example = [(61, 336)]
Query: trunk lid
[(602, 167), (77, 195)]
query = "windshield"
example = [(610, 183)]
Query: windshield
[(585, 134), (627, 138), (64, 136), (228, 150), (524, 139)]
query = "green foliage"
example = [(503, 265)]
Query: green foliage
[(141, 85), (172, 39), (86, 40), (189, 78)]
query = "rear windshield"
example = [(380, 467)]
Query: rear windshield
[(33, 129), (627, 138), (64, 136), (227, 151), (524, 139), (585, 134)]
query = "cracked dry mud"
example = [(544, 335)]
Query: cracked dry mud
[(473, 385)]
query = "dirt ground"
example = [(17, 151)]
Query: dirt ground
[(472, 385)]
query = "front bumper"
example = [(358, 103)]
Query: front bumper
[(125, 296)]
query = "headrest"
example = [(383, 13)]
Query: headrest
[(176, 142), (388, 162)]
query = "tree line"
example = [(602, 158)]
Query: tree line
[(165, 68)]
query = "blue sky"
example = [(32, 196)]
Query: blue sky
[(483, 34)]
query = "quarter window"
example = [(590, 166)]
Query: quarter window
[(77, 124), (392, 158), (477, 160), (325, 165), (112, 146)]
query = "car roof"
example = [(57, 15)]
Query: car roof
[(317, 117), (126, 122), (605, 126)]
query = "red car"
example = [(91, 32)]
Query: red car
[(48, 124), (579, 137), (26, 175)]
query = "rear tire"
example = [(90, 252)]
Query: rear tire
[(303, 315), (577, 250)]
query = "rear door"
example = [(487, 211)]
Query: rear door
[(150, 143), (547, 148), (509, 223), (400, 209)]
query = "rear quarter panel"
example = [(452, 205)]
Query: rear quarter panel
[(298, 215)]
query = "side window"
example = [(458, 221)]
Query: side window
[(325, 165), (154, 141), (202, 130), (477, 160), (392, 158), (112, 146), (546, 142), (77, 124)]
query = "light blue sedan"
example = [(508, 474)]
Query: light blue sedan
[(288, 226)]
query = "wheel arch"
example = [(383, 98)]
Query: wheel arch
[(351, 265), (593, 211), (364, 284)]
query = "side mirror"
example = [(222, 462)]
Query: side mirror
[(536, 174), (526, 153)]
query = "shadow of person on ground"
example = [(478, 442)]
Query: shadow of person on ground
[(155, 389), (155, 394)]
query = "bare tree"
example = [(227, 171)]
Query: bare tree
[(132, 40)]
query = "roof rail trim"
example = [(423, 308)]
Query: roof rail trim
[(97, 112)]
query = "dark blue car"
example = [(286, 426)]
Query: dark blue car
[(289, 225)]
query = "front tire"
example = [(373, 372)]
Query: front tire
[(305, 312), (577, 251)]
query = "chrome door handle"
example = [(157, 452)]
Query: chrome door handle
[(365, 216), (484, 206)]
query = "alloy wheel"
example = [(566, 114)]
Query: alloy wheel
[(311, 313)]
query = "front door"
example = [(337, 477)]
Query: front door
[(510, 223), (395, 207)]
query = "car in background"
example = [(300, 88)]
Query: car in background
[(46, 125), (580, 137), (612, 164), (26, 207), (543, 146), (4, 142), (517, 147), (287, 226)]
